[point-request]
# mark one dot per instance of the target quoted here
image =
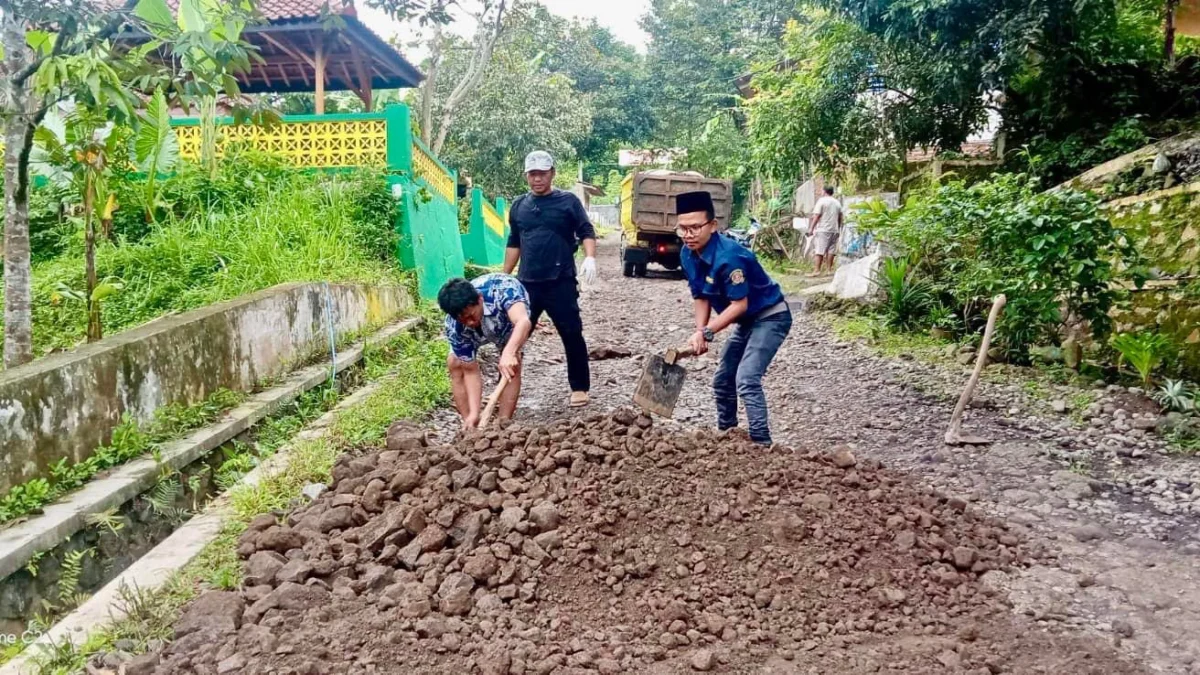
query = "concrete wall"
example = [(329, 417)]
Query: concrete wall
[(67, 405)]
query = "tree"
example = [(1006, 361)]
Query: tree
[(599, 65), (698, 49), (1169, 31), (58, 50), (489, 21), (519, 108), (846, 103), (85, 148)]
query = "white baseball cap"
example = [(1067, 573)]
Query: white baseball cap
[(538, 160)]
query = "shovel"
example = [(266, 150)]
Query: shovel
[(661, 381), (490, 407)]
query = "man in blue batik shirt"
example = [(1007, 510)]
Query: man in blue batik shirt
[(725, 277), (494, 308)]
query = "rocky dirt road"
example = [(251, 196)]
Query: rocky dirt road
[(1122, 530), (584, 541)]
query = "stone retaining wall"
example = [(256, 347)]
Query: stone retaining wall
[(67, 405), (1164, 226)]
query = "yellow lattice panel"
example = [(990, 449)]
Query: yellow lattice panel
[(317, 145), (492, 219), (425, 166)]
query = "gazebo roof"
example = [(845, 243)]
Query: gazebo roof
[(299, 36)]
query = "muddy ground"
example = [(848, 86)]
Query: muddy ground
[(1053, 550)]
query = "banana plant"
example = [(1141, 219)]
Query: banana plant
[(155, 150), (85, 152)]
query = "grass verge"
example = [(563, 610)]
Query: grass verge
[(413, 382), (129, 440), (886, 342)]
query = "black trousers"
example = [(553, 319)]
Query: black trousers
[(560, 300)]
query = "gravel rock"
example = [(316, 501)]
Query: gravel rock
[(213, 612), (703, 660)]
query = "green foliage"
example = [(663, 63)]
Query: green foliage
[(813, 115), (109, 520), (943, 317), (721, 150), (1098, 89), (68, 580), (521, 106), (1145, 352), (129, 440), (1045, 250), (862, 81), (155, 149), (255, 225), (1059, 159), (1176, 396), (697, 51), (873, 330), (907, 298), (24, 498), (601, 68)]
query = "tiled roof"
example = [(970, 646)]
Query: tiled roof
[(281, 10), (970, 149)]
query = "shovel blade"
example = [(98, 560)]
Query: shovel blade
[(659, 386)]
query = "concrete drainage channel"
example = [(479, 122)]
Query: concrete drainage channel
[(153, 544)]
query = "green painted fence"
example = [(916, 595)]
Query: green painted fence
[(426, 191), (484, 242)]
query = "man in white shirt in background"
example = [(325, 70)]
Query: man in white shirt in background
[(826, 227)]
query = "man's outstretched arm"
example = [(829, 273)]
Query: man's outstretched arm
[(510, 359)]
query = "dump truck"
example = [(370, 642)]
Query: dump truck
[(648, 216)]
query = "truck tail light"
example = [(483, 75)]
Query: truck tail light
[(662, 248)]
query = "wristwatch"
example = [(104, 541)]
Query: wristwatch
[(709, 336)]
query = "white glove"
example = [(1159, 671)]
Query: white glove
[(588, 270)]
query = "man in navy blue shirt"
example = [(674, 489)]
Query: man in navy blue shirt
[(726, 278)]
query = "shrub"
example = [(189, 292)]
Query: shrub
[(907, 299), (1176, 396), (220, 238), (1145, 352), (1048, 252)]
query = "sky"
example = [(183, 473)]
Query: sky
[(619, 16)]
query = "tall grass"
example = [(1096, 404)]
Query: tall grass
[(299, 227)]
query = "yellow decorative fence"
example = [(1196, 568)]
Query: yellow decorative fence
[(329, 143), (429, 239), (429, 169), (492, 219)]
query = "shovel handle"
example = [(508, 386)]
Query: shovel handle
[(674, 354), (491, 403)]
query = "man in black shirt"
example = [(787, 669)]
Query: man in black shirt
[(547, 226)]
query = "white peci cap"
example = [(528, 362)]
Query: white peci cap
[(538, 160)]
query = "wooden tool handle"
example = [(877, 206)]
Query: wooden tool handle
[(674, 354), (954, 433), (491, 403)]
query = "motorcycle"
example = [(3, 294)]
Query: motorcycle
[(746, 237)]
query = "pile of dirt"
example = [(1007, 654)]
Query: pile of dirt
[(610, 545)]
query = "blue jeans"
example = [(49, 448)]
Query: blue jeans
[(744, 360)]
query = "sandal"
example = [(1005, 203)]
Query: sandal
[(579, 399)]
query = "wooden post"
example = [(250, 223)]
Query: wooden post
[(319, 66), (364, 78)]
